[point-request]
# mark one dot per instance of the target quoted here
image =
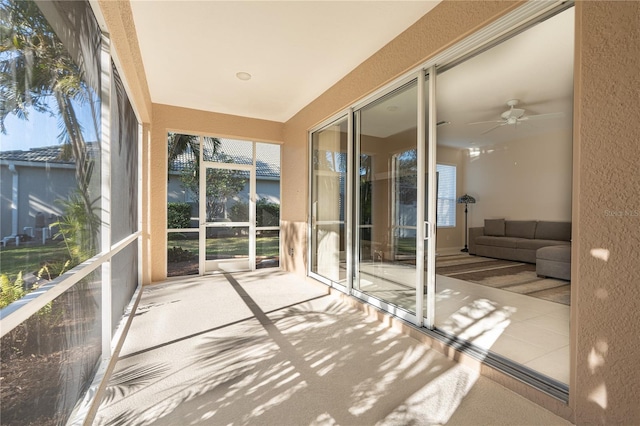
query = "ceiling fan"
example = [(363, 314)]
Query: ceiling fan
[(513, 116)]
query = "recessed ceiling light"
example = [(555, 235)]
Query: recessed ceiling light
[(243, 76)]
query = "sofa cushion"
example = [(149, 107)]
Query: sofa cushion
[(520, 228), (527, 244), (546, 230), (494, 227), (497, 241), (561, 253)]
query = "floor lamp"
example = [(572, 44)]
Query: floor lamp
[(466, 199)]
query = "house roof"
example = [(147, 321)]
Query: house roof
[(238, 152), (47, 154), (267, 163)]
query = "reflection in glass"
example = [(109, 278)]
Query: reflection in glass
[(329, 154), (50, 120), (387, 187)]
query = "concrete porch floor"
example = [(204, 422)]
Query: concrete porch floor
[(269, 348)]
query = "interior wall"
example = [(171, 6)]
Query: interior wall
[(524, 179)]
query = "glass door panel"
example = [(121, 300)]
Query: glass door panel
[(328, 209), (229, 236), (388, 201)]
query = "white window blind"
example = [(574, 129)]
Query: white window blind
[(446, 210)]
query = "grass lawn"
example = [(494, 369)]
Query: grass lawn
[(267, 246), (29, 258)]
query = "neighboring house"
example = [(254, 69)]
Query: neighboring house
[(31, 183)]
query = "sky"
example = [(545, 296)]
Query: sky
[(39, 130)]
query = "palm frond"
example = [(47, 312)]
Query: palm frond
[(131, 378)]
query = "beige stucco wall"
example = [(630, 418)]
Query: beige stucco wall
[(606, 299), (121, 28), (605, 378)]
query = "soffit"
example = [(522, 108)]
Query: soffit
[(294, 50)]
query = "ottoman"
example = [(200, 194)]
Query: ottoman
[(554, 261)]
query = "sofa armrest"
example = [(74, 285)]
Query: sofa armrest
[(473, 234)]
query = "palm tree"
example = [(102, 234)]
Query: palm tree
[(179, 144), (37, 73)]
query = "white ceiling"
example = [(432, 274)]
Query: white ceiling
[(535, 67), (294, 50)]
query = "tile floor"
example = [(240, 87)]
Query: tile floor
[(530, 331), (527, 330)]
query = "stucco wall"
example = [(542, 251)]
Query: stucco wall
[(606, 300)]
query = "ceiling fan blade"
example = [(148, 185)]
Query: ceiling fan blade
[(493, 128), (542, 116), (485, 122)]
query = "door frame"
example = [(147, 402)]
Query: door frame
[(226, 265)]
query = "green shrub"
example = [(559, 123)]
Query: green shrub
[(178, 215), (175, 236), (78, 226), (239, 212), (10, 291), (178, 254), (267, 213)]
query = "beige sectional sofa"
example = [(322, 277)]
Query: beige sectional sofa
[(520, 240)]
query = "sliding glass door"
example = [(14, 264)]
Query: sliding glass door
[(328, 204), (494, 292), (390, 149)]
